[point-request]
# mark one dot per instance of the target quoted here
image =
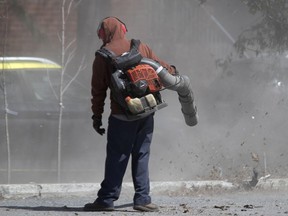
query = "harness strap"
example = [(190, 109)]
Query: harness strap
[(106, 53)]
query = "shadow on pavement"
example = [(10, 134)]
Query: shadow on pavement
[(62, 208)]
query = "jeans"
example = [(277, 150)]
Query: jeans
[(127, 138)]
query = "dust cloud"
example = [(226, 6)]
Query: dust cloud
[(242, 108)]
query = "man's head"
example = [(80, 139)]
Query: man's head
[(111, 28)]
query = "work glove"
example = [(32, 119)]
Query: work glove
[(97, 123)]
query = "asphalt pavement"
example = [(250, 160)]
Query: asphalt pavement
[(268, 197)]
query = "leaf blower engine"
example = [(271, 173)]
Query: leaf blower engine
[(138, 81)]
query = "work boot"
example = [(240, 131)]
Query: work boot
[(151, 207), (97, 207)]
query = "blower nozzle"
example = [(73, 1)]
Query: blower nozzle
[(180, 84)]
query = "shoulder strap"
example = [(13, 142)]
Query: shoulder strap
[(135, 44), (106, 53), (124, 61)]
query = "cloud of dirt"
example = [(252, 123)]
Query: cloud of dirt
[(242, 110)]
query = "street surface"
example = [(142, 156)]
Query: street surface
[(234, 203)]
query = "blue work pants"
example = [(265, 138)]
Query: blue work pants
[(127, 138)]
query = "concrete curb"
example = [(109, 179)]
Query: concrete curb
[(33, 189), (274, 184)]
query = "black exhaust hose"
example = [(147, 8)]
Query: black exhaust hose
[(180, 84)]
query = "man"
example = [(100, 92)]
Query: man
[(124, 137)]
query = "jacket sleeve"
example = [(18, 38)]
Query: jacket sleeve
[(148, 53), (99, 85)]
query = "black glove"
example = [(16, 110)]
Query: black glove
[(97, 123)]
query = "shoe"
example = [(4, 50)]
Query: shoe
[(151, 207), (97, 207)]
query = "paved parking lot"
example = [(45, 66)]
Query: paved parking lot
[(205, 201)]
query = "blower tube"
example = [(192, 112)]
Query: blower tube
[(180, 84)]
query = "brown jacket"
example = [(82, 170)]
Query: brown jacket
[(115, 41)]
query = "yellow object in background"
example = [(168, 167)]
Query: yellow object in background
[(10, 63)]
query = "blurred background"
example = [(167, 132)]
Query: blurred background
[(242, 100)]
